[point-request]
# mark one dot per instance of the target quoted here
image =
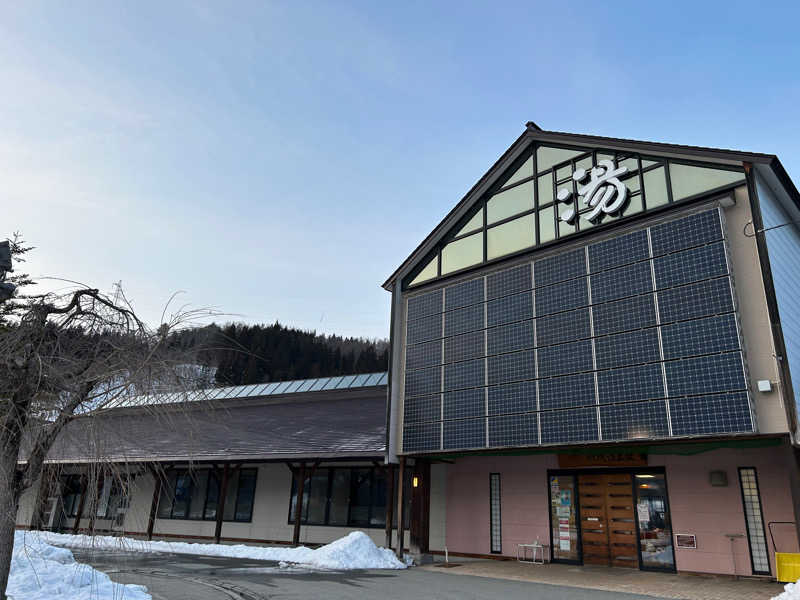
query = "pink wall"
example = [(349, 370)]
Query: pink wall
[(696, 507)]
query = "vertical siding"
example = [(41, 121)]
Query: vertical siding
[(784, 258)]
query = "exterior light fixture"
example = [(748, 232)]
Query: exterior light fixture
[(415, 481), (645, 476)]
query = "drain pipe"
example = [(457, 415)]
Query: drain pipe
[(733, 537), (446, 556)]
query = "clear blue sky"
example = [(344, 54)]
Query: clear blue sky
[(279, 160)]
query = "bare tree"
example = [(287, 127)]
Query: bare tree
[(67, 356)]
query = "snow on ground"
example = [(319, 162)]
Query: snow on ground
[(354, 551), (791, 592), (40, 571)]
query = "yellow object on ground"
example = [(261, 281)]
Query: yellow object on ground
[(787, 566)]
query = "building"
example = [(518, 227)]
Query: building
[(595, 349), (226, 466)]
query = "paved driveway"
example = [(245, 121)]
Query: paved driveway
[(185, 577)]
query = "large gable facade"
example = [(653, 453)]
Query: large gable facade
[(602, 298)]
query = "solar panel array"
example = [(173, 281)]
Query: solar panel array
[(633, 337)]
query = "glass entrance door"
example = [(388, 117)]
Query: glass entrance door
[(652, 515), (565, 540)]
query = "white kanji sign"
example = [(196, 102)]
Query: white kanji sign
[(604, 193)]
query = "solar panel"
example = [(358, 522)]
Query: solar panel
[(470, 373), (419, 437), (641, 382), (512, 398), (423, 382), (514, 430), (561, 296), (716, 413), (630, 348), (700, 336), (573, 357), (510, 308), (463, 294), (563, 327), (424, 329), (465, 433), (567, 426), (705, 374), (569, 391), (618, 251), (624, 315), (515, 366), (634, 420), (695, 300), (464, 346), (620, 282), (465, 403), (463, 320), (510, 281), (694, 230), (422, 409), (424, 305), (559, 267), (507, 338), (424, 355), (687, 266)]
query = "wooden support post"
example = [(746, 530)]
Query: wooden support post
[(401, 475), (389, 503), (42, 494), (151, 519), (298, 506), (223, 492), (81, 504)]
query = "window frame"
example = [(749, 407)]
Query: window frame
[(178, 472)]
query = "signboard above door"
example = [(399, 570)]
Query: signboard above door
[(607, 459)]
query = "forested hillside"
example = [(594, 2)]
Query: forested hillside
[(245, 354)]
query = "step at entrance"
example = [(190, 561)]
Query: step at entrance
[(608, 530)]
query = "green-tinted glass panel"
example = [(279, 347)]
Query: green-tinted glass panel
[(631, 163), (648, 163), (510, 202), (604, 156), (473, 224), (655, 188), (510, 237), (545, 189), (564, 173), (632, 183), (634, 205), (462, 253), (565, 229), (584, 163), (547, 224), (429, 272), (523, 172), (546, 157), (688, 180)]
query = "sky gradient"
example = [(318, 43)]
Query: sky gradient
[(277, 161)]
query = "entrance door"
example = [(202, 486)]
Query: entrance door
[(608, 529)]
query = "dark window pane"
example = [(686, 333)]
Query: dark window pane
[(378, 517), (317, 498), (199, 483), (244, 499), (212, 497), (340, 494), (167, 493), (183, 494), (230, 497), (360, 499)]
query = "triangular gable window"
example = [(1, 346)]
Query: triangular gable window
[(542, 201)]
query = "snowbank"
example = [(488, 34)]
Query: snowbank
[(791, 592), (354, 551), (40, 571)]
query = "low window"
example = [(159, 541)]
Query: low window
[(72, 490), (194, 495), (343, 496)]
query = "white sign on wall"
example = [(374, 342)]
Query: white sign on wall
[(604, 193)]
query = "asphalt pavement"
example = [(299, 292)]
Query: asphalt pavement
[(187, 577)]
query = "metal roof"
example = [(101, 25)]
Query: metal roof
[(257, 390), (346, 423)]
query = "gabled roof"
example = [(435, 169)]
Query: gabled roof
[(533, 133)]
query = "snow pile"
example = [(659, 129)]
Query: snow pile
[(40, 571), (354, 551), (791, 592)]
